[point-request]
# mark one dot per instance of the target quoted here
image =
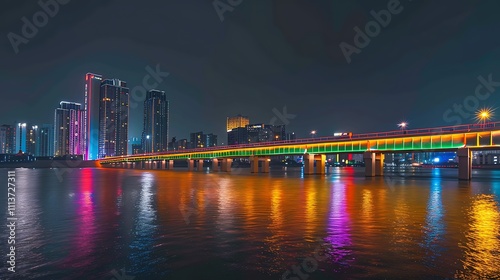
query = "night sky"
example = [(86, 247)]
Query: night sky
[(265, 54)]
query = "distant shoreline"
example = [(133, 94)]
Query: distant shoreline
[(51, 164)]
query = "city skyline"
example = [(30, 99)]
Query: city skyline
[(402, 68)]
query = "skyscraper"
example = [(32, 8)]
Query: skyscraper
[(68, 129), (236, 121), (31, 140), (155, 130), (197, 140), (91, 116), (20, 138), (113, 118), (45, 141), (7, 139)]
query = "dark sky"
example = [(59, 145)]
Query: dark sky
[(265, 54)]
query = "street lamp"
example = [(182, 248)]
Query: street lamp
[(402, 125), (484, 115), (148, 148), (313, 133)]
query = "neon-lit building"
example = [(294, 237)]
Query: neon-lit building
[(7, 139), (236, 122), (113, 118), (155, 129), (91, 116), (20, 137), (68, 129)]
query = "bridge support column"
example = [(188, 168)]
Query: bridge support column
[(170, 164), (226, 164), (190, 164), (199, 167), (374, 164), (310, 159), (254, 164), (154, 165), (464, 164), (163, 164), (379, 164), (369, 159), (265, 165), (215, 165)]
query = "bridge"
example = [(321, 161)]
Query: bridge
[(462, 139)]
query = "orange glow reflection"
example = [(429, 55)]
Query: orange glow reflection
[(482, 247)]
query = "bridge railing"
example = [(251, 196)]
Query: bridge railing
[(402, 133)]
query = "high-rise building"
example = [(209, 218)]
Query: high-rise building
[(236, 121), (291, 136), (68, 129), (197, 140), (113, 118), (7, 139), (21, 130), (32, 139), (237, 136), (155, 130), (210, 140), (45, 141), (91, 116)]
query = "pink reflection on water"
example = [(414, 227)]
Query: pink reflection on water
[(83, 241), (339, 226)]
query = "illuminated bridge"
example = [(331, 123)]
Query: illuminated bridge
[(463, 139)]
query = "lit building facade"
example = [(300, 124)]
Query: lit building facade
[(45, 141), (21, 131), (91, 116), (68, 129), (155, 129), (236, 121), (7, 139), (113, 118)]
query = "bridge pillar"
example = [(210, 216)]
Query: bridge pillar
[(254, 164), (170, 164), (199, 167), (265, 165), (190, 164), (379, 164), (163, 164), (310, 159), (215, 165), (226, 164), (154, 165), (369, 159), (464, 164)]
